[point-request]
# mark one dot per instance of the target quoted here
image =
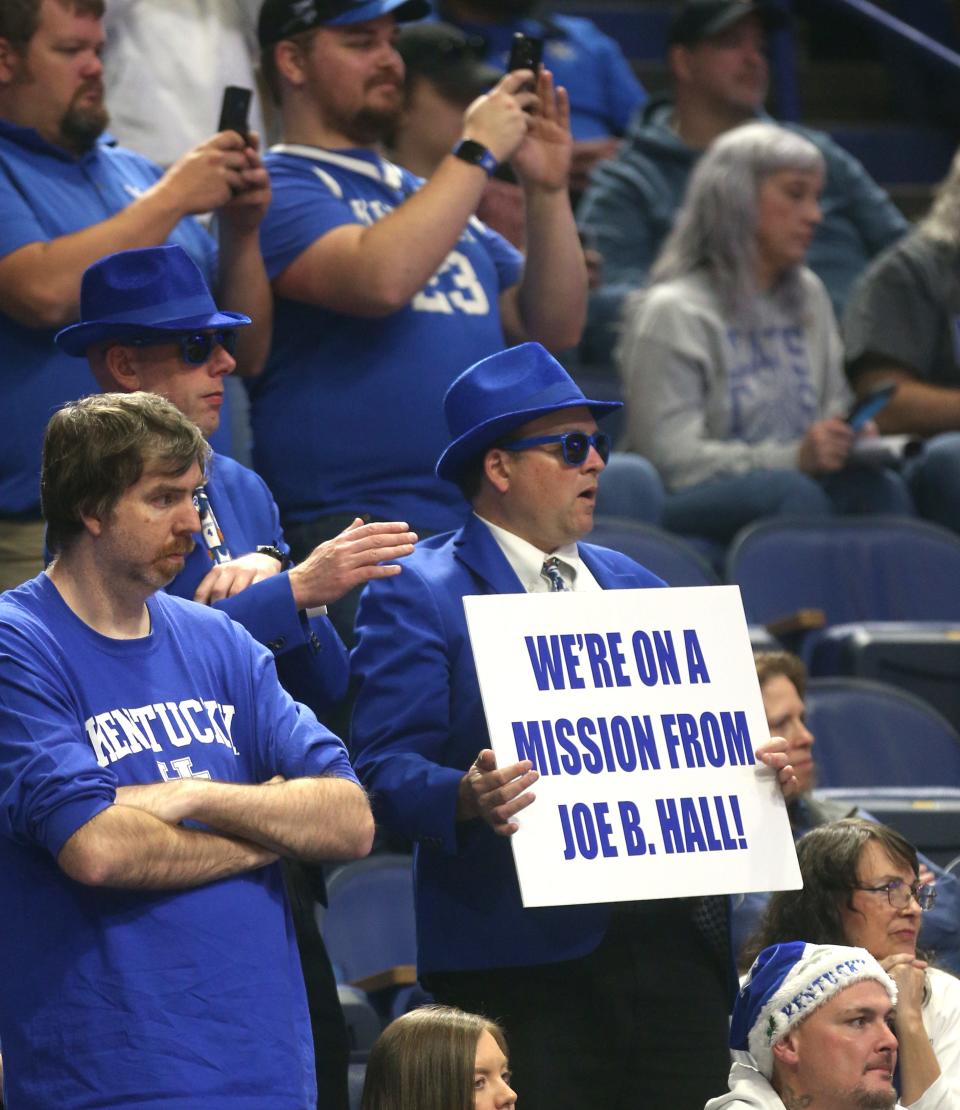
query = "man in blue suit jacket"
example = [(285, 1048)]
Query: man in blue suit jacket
[(593, 997)]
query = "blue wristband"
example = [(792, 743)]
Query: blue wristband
[(475, 155)]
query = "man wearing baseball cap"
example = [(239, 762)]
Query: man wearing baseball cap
[(718, 63), (811, 1028), (607, 1006), (388, 287)]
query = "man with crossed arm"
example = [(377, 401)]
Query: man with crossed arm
[(152, 771)]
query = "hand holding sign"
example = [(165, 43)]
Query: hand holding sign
[(639, 709), (774, 754), (495, 795)]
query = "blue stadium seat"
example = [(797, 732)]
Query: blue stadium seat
[(368, 925), (869, 734), (355, 1077), (370, 932), (852, 568), (363, 1021), (667, 555), (920, 656)]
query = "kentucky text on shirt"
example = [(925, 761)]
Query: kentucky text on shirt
[(121, 732)]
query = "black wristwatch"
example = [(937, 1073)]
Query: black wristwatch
[(275, 553), (475, 155)]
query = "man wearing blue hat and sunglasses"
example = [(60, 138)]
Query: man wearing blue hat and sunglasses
[(148, 322), (608, 1007)]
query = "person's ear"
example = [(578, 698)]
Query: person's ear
[(679, 58), (93, 524), (787, 1050), (10, 59), (118, 368), (497, 468), (288, 57)]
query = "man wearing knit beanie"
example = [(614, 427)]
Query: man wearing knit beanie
[(811, 1028)]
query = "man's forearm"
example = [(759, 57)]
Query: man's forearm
[(40, 283), (376, 270), (129, 848), (307, 818), (244, 287), (552, 297), (917, 408)]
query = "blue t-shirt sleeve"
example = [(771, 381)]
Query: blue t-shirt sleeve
[(504, 255), (50, 781), (18, 222), (291, 740), (305, 206), (623, 92)]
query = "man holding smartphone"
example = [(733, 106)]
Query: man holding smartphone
[(387, 287), (69, 195)]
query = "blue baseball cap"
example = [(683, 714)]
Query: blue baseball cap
[(280, 19), (140, 292)]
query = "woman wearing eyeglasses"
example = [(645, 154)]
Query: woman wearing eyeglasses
[(861, 887), (731, 359)]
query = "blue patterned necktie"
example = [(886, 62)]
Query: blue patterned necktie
[(551, 571), (209, 528)]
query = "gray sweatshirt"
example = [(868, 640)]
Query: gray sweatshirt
[(708, 398)]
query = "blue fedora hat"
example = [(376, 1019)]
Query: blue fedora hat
[(141, 292), (502, 392), (280, 19)]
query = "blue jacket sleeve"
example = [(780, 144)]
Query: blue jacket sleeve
[(402, 719), (311, 659)]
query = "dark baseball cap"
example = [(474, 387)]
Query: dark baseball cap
[(702, 19), (280, 19), (452, 60)]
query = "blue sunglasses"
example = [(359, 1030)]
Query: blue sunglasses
[(575, 446), (195, 347)]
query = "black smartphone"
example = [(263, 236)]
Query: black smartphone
[(526, 52), (867, 407), (235, 111)]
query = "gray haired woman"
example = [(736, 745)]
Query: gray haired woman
[(731, 358)]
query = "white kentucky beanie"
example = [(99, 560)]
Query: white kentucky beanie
[(787, 983)]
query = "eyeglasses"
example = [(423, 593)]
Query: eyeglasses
[(195, 347), (575, 446), (899, 893)]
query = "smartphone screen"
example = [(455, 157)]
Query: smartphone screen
[(525, 53), (867, 408), (235, 110)]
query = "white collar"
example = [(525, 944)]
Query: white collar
[(379, 170), (527, 561)]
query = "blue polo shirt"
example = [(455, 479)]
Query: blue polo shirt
[(46, 192), (604, 91)]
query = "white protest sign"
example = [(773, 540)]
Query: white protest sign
[(641, 711)]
